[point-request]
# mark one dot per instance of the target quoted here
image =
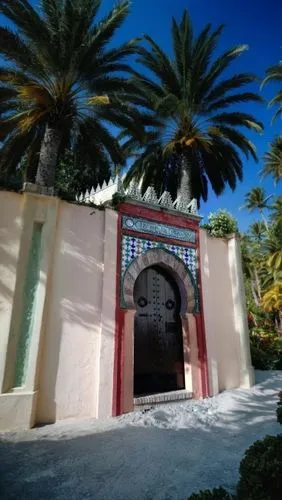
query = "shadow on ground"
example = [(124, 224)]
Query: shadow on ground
[(137, 462)]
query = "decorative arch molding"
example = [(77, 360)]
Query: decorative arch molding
[(166, 259)]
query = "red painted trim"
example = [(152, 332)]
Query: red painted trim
[(201, 328), (120, 356), (153, 237), (183, 221), (202, 355), (116, 375)]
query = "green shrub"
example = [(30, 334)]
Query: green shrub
[(11, 181), (221, 224), (216, 494), (261, 471), (260, 359), (266, 350)]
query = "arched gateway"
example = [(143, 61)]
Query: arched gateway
[(135, 304), (160, 341)]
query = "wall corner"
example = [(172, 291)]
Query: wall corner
[(240, 312)]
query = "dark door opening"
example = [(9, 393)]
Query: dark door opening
[(158, 342)]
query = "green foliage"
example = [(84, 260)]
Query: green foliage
[(221, 224), (274, 74), (261, 471), (73, 177), (262, 267), (266, 350), (215, 494), (11, 182), (273, 160), (117, 199), (63, 71), (256, 199), (197, 129)]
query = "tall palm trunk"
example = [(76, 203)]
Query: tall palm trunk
[(278, 321), (48, 157), (184, 190), (257, 281), (264, 220), (254, 293)]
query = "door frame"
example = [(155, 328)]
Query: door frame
[(194, 346), (145, 285)]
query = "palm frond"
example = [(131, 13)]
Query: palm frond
[(237, 138), (233, 99), (274, 74), (238, 119), (27, 20), (102, 33), (273, 160), (187, 94), (63, 72)]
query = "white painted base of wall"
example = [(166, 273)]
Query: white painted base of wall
[(17, 410), (247, 378)]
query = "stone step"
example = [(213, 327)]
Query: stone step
[(144, 402)]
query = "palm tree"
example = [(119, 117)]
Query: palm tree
[(257, 200), (196, 137), (272, 302), (276, 209), (273, 160), (257, 231), (251, 267), (62, 85), (274, 74)]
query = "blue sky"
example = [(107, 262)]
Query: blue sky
[(253, 22)]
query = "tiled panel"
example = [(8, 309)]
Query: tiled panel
[(158, 229), (132, 247)]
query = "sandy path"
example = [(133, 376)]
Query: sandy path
[(163, 454)]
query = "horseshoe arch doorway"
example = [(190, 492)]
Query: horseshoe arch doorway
[(158, 340)]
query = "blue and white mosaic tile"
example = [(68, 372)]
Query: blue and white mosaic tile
[(132, 247)]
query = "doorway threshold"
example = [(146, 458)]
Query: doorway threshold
[(163, 397)]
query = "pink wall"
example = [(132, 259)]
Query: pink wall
[(70, 368), (222, 339), (73, 349), (10, 236)]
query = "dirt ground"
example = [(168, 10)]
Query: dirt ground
[(165, 453)]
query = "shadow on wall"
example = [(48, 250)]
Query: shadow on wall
[(9, 245), (222, 336), (110, 460), (69, 373)]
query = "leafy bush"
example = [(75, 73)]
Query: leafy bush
[(266, 349), (216, 494), (221, 224), (261, 471), (12, 181)]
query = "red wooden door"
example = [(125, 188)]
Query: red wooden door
[(158, 345)]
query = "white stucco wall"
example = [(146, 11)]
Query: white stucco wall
[(70, 364), (10, 234), (223, 343), (71, 358)]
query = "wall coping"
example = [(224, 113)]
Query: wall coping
[(158, 208)]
